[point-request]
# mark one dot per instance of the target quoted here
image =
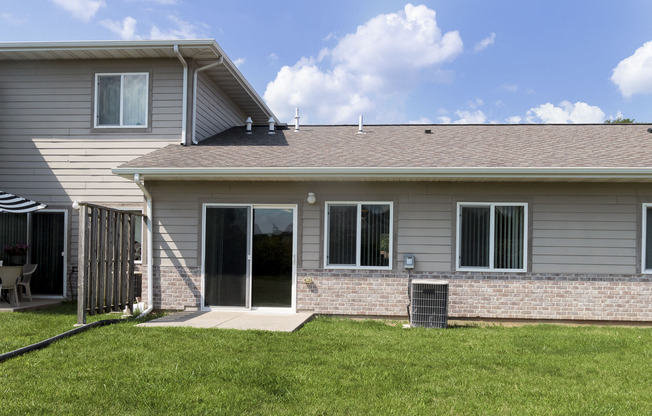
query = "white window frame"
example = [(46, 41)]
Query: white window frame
[(644, 270), (492, 209), (357, 265), (97, 97), (250, 220)]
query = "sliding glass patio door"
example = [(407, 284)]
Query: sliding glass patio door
[(249, 256)]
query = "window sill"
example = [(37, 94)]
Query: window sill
[(116, 129), (351, 267), (475, 269)]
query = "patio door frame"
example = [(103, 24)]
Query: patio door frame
[(250, 219), (64, 253)]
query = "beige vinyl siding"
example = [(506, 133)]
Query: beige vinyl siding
[(574, 228), (593, 231), (47, 143), (49, 150), (177, 244), (311, 235), (215, 111)]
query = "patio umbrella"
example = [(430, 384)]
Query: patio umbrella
[(16, 205)]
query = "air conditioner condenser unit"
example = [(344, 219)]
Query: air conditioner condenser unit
[(429, 302)]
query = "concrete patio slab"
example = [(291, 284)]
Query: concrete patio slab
[(26, 305), (281, 322)]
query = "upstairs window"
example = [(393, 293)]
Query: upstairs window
[(359, 235), (121, 100), (491, 236)]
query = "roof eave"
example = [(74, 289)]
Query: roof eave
[(614, 174), (52, 48)]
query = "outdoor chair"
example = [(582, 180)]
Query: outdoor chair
[(28, 270), (9, 276)]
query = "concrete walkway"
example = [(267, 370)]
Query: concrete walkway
[(282, 322)]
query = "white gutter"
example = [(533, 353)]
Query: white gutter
[(184, 105), (150, 246), (395, 173), (194, 96)]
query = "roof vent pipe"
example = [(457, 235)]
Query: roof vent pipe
[(296, 119), (271, 126), (249, 122), (360, 131)]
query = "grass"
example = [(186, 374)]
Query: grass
[(332, 367)]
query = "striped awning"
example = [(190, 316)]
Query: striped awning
[(17, 205)]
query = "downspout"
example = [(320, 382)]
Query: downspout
[(150, 246), (194, 96), (184, 105)]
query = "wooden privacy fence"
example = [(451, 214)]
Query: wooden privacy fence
[(106, 260)]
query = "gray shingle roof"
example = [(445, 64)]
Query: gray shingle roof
[(408, 146)]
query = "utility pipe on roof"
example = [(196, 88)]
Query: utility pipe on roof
[(150, 245), (184, 104), (194, 96)]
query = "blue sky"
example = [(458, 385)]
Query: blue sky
[(454, 61)]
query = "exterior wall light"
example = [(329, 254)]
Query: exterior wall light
[(311, 198)]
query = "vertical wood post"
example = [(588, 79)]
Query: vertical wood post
[(124, 265), (92, 276), (116, 260), (82, 276), (110, 306)]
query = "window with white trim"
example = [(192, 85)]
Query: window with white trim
[(359, 235), (646, 240), (121, 100), (492, 236)]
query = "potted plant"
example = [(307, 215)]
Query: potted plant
[(17, 253)]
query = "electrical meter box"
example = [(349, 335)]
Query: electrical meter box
[(408, 261)]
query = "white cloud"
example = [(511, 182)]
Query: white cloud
[(370, 71), (509, 87), (421, 120), (475, 103), (485, 43), (566, 112), (633, 75), (81, 9), (470, 117), (183, 30), (513, 120), (239, 61), (125, 29)]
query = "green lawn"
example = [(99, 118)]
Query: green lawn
[(332, 367)]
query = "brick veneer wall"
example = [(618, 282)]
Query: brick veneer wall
[(175, 287), (484, 295), (471, 295)]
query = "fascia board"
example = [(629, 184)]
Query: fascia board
[(102, 44), (395, 173)]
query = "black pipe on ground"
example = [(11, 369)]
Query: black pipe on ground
[(43, 344)]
